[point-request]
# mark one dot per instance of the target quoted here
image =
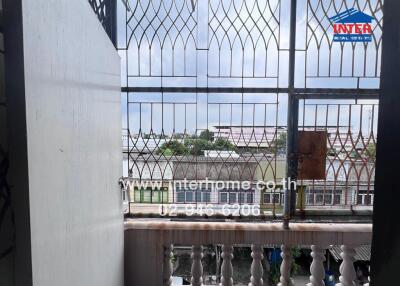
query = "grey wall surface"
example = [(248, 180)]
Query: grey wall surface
[(71, 96), (144, 255)]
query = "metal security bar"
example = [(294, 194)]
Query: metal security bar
[(218, 90), (351, 126), (106, 11), (326, 63), (244, 41), (6, 210)]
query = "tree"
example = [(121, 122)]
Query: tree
[(178, 136), (207, 135), (146, 136), (331, 152), (370, 151), (280, 142), (196, 147), (173, 147), (223, 144)]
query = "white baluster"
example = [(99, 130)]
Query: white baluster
[(347, 271), (197, 267), (285, 266), (256, 266), (317, 269), (226, 268), (167, 266)]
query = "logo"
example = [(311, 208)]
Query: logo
[(352, 26)]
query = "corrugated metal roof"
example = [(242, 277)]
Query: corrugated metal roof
[(363, 253)]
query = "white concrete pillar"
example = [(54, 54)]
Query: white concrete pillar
[(256, 266), (285, 266), (226, 268), (317, 269), (167, 266), (197, 267), (347, 271)]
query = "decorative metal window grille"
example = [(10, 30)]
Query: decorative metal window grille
[(327, 64), (7, 224), (208, 86), (352, 127), (106, 13), (6, 212)]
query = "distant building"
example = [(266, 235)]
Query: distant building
[(349, 179), (249, 136), (172, 172)]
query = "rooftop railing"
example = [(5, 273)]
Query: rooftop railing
[(149, 247)]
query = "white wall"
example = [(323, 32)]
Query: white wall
[(73, 122)]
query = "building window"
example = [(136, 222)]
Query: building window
[(189, 197), (319, 199), (328, 199), (180, 196), (206, 197), (242, 198), (198, 196), (246, 197), (267, 198), (324, 197), (232, 198), (365, 197), (277, 198), (270, 198), (250, 198), (337, 197), (310, 199), (224, 197), (146, 195)]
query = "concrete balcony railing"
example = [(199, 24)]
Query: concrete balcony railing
[(149, 245)]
